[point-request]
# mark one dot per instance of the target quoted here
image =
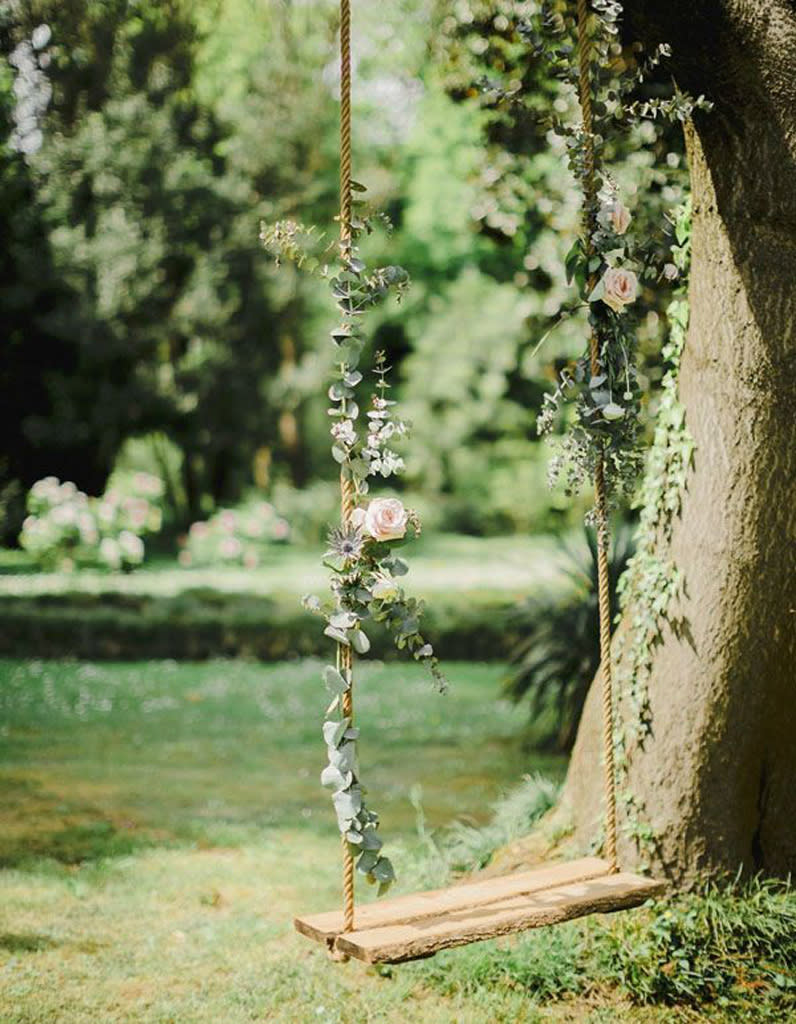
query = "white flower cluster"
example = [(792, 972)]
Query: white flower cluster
[(381, 459)]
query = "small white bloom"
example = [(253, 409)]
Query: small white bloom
[(344, 432)]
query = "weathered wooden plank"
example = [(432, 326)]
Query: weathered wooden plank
[(325, 927), (413, 940)]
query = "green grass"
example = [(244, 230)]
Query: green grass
[(160, 824), (443, 562), (164, 611)]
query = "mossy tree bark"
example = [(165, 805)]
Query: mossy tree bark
[(717, 775)]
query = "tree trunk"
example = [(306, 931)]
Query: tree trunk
[(717, 776)]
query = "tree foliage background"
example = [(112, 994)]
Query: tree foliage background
[(138, 304)]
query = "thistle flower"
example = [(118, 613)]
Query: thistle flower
[(346, 542)]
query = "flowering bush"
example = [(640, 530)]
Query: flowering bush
[(234, 536), (65, 528)]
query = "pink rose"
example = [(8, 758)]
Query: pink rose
[(619, 288), (615, 215), (670, 272), (386, 519)]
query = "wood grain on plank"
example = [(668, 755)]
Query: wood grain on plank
[(409, 941), (403, 909)]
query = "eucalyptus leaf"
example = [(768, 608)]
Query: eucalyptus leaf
[(343, 620), (332, 777), (383, 871), (338, 635), (347, 803), (597, 292), (333, 732), (367, 861), (344, 757), (359, 641), (370, 840), (335, 683)]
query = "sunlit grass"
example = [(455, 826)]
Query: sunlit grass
[(439, 563), (161, 824)]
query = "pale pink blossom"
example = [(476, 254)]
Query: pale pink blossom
[(386, 519), (615, 215), (619, 288), (670, 272), (230, 547)]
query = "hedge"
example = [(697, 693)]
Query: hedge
[(205, 623)]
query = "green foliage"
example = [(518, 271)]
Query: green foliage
[(732, 943), (466, 847), (557, 658)]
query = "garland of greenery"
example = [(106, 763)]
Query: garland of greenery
[(365, 568), (608, 263)]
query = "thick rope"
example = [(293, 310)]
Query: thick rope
[(609, 779), (345, 665), (344, 656)]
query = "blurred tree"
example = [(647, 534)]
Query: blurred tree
[(163, 320)]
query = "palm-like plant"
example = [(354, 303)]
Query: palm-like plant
[(555, 662)]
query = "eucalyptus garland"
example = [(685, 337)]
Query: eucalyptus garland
[(362, 552), (609, 263)]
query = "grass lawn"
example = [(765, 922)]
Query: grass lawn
[(510, 566), (160, 824)]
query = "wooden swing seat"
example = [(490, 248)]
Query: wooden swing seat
[(420, 925)]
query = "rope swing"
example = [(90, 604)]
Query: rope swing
[(603, 540), (419, 925), (345, 655)]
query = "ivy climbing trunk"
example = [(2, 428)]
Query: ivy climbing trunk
[(715, 777)]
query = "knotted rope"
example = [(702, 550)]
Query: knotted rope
[(344, 655), (590, 190)]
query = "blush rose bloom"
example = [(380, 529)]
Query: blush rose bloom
[(383, 519), (615, 215), (670, 272), (619, 288)]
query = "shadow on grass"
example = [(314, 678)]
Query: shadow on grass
[(25, 942), (39, 826)]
